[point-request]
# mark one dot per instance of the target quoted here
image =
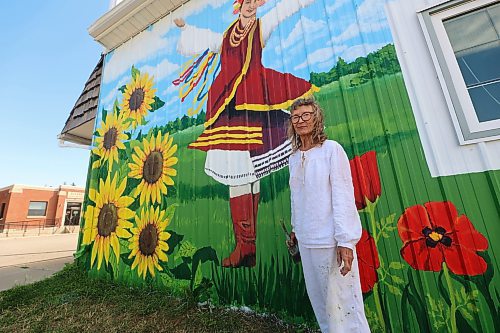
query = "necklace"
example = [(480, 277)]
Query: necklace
[(238, 34)]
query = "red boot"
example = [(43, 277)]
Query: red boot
[(243, 213)]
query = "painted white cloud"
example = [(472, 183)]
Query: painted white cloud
[(195, 7), (356, 51), (160, 71), (151, 42), (305, 28), (108, 100), (370, 18), (322, 55), (171, 89), (336, 5), (145, 45)]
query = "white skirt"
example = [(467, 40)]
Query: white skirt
[(237, 167)]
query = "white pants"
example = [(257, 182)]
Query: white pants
[(337, 300)]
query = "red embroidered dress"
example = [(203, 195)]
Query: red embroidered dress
[(245, 102)]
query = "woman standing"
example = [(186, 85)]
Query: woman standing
[(325, 221)]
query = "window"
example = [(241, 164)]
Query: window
[(2, 210), (464, 37), (37, 208)]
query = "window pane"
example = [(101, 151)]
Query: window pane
[(494, 12), (480, 64), (486, 101), (470, 30), (37, 208), (475, 40)]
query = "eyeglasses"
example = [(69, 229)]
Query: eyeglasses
[(304, 116)]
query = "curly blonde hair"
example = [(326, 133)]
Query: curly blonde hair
[(318, 133)]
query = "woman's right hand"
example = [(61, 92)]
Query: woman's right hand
[(179, 22)]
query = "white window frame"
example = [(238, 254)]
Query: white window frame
[(467, 126), (38, 216)]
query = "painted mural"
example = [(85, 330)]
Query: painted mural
[(188, 185)]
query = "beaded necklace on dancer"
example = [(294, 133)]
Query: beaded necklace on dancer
[(238, 34)]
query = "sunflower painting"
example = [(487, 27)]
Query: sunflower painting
[(152, 164), (148, 243), (108, 220), (109, 139), (138, 97)]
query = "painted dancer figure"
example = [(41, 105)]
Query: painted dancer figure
[(246, 122)]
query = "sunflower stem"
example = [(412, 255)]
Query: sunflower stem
[(453, 302)]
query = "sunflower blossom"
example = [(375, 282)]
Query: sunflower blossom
[(109, 139), (153, 161), (148, 243), (137, 98), (107, 220)]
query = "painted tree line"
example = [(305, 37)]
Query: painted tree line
[(375, 64)]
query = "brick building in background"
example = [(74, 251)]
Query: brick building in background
[(23, 207)]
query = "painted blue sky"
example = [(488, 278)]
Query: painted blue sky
[(311, 40), (47, 56)]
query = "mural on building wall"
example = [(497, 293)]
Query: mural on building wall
[(189, 162)]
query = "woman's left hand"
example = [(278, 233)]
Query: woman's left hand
[(346, 255)]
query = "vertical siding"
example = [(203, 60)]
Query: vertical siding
[(346, 49)]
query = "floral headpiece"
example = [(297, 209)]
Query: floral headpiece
[(237, 5)]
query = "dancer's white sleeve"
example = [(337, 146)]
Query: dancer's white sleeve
[(195, 40)]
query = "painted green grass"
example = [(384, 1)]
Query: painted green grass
[(372, 116)]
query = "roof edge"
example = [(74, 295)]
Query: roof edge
[(105, 29)]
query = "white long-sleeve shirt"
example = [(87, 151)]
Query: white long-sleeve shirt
[(195, 40), (324, 212)]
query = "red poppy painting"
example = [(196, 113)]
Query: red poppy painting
[(365, 178), (368, 261), (435, 233)]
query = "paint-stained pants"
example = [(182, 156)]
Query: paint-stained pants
[(337, 300)]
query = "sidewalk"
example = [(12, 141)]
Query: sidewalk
[(11, 276), (28, 259)]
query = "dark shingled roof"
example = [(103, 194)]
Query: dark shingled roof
[(86, 106)]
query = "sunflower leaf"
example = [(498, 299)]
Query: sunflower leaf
[(182, 271), (81, 251), (122, 88), (116, 106), (104, 114), (169, 212), (203, 255), (173, 241), (158, 103), (134, 71)]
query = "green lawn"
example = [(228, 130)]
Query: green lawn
[(70, 301)]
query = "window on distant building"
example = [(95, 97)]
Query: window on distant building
[(37, 208), (464, 37), (2, 210)]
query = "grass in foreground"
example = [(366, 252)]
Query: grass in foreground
[(71, 302)]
